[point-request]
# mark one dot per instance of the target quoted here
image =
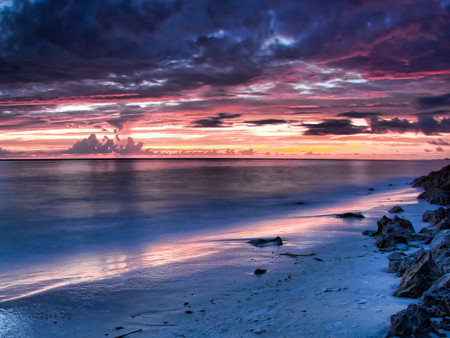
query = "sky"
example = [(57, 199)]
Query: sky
[(225, 78)]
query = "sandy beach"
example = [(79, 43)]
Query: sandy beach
[(333, 283)]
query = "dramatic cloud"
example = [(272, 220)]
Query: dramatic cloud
[(215, 121), (439, 149), (425, 124), (434, 101), (334, 127), (4, 152), (266, 121), (439, 142), (357, 114), (92, 145)]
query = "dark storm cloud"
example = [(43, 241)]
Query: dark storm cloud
[(215, 121), (334, 127), (219, 43), (434, 101), (357, 114), (266, 121), (92, 145), (425, 124)]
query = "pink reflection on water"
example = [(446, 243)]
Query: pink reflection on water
[(209, 247)]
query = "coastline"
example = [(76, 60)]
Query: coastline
[(329, 294)]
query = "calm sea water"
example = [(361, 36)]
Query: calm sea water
[(54, 209)]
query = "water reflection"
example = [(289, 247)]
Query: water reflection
[(210, 247)]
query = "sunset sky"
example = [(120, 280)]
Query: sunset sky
[(230, 78)]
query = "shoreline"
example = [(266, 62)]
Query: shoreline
[(329, 294)]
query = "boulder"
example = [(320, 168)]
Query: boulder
[(350, 215), (436, 185), (437, 298), (435, 216), (407, 261), (396, 209), (419, 276), (260, 242), (392, 232), (440, 249), (436, 196), (395, 259), (414, 321)]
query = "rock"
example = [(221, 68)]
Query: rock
[(407, 261), (414, 321), (437, 298), (426, 216), (350, 215), (259, 271), (440, 249), (260, 242), (371, 189), (419, 277), (436, 216), (396, 209), (436, 196), (368, 232), (392, 232), (436, 185), (395, 259)]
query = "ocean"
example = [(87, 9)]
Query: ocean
[(54, 213)]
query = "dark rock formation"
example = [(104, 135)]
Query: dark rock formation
[(392, 232), (396, 209), (407, 261), (440, 249), (259, 271), (260, 242), (419, 277), (395, 259), (437, 298), (435, 216), (368, 232), (414, 321), (350, 215), (436, 185)]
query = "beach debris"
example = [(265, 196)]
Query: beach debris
[(188, 311), (259, 271), (392, 232), (260, 242), (297, 255), (300, 203), (371, 189), (333, 290), (419, 277), (119, 328), (127, 334), (357, 215), (318, 259), (396, 209)]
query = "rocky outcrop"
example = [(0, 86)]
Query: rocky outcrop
[(260, 242), (350, 215), (440, 250), (396, 209), (436, 185), (392, 232), (435, 216), (419, 276), (415, 321)]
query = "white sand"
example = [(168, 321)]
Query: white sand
[(346, 294)]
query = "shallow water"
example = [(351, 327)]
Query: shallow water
[(68, 221)]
